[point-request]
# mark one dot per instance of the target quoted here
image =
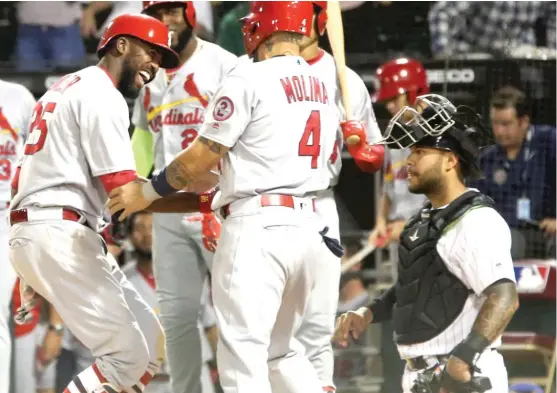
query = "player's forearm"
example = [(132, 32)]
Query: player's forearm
[(183, 202), (496, 312), (382, 307), (54, 317), (194, 163), (499, 307), (384, 208), (98, 6)]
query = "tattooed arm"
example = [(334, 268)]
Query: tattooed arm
[(499, 307), (193, 164)]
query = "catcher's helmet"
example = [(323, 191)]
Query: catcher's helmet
[(144, 28), (189, 9), (401, 76), (268, 17), (437, 123)]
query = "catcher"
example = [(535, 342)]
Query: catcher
[(456, 290)]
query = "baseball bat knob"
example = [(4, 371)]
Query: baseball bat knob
[(353, 140)]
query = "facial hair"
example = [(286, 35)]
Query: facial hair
[(143, 254), (429, 182), (126, 86), (183, 38)]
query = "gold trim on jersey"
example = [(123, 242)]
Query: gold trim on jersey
[(158, 109)]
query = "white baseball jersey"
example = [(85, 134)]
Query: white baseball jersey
[(404, 204), (324, 66), (278, 118), (79, 132), (145, 286), (478, 259), (172, 108), (16, 107)]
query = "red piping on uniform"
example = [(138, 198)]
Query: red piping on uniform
[(113, 180), (15, 180), (148, 276), (316, 58), (110, 76)]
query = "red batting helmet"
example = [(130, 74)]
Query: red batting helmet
[(321, 16), (144, 28), (268, 17), (189, 9), (401, 76)]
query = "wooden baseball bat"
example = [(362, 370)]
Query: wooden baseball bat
[(358, 257), (335, 32)]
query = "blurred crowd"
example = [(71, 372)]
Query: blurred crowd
[(64, 34)]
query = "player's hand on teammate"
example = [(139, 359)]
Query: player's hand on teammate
[(127, 199), (351, 325)]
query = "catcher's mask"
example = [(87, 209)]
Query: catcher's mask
[(435, 122)]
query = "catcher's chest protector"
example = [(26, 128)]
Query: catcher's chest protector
[(428, 296)]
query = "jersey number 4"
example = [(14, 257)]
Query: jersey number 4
[(311, 131), (38, 129)]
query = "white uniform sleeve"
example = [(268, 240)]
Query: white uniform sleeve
[(139, 116), (483, 249), (362, 109), (228, 115), (105, 139), (28, 104)]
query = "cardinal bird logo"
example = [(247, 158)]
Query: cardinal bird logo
[(191, 88), (5, 126)]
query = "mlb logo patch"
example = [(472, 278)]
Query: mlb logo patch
[(531, 278)]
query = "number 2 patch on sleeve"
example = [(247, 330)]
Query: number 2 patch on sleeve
[(224, 108)]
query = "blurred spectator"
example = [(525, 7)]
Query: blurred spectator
[(49, 35), (493, 27), (520, 173), (89, 18), (230, 29), (204, 15)]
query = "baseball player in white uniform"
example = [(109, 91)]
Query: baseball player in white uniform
[(139, 272), (16, 107), (168, 115), (456, 288), (318, 326), (268, 125), (78, 150)]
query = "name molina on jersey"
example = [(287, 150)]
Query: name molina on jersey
[(298, 89), (177, 118)]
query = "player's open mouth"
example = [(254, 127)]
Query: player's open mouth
[(145, 76)]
